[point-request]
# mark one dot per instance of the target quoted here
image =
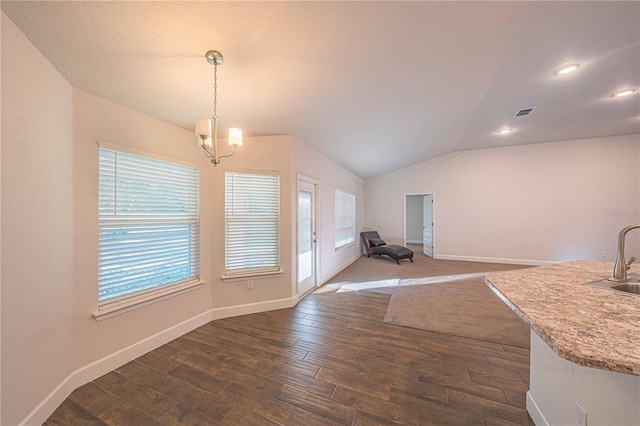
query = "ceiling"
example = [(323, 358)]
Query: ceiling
[(376, 86)]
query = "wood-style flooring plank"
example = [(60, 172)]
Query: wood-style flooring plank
[(211, 405), (145, 398), (301, 381), (301, 417), (271, 408), (181, 415), (241, 417), (127, 415), (196, 377), (148, 376), (382, 410), (94, 399), (370, 387), (332, 410), (70, 413)]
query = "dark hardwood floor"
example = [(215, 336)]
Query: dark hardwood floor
[(329, 361)]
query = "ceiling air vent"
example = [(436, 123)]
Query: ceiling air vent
[(524, 111)]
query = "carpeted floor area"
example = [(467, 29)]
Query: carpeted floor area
[(466, 308), (443, 296)]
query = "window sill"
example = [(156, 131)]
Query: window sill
[(126, 305), (352, 243), (240, 277)]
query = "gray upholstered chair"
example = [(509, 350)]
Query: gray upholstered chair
[(371, 243)]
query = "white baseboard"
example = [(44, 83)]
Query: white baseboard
[(252, 308), (341, 268), (493, 260), (535, 412), (98, 368)]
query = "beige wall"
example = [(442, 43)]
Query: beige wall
[(541, 202), (37, 229), (310, 163)]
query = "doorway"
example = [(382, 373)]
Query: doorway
[(307, 240), (419, 222)]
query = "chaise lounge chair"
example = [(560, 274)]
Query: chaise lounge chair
[(373, 244)]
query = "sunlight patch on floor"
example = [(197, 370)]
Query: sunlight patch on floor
[(369, 284), (395, 282)]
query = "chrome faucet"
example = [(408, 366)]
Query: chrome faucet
[(621, 267)]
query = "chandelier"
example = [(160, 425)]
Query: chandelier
[(206, 138)]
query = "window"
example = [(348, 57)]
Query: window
[(148, 225), (345, 218), (252, 223)]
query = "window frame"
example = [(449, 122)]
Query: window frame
[(235, 274), (340, 244), (125, 302)]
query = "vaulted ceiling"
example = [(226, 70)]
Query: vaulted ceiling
[(376, 86)]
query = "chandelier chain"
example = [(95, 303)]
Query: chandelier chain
[(215, 91)]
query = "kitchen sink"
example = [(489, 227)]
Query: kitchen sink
[(627, 288), (631, 286)]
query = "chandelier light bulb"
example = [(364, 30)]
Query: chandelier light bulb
[(203, 127), (235, 137)]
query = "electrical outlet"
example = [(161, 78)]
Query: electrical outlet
[(603, 253), (249, 284), (486, 248), (581, 416)]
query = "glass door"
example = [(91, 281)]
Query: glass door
[(306, 238)]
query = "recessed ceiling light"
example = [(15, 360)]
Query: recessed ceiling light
[(567, 70), (504, 131), (624, 93)]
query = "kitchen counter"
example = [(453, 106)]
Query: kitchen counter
[(588, 326), (585, 343)]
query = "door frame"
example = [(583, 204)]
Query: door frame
[(316, 196), (404, 218)]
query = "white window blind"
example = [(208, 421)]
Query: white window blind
[(252, 222), (148, 224), (345, 218)]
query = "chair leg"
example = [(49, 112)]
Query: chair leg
[(397, 261), (411, 259)]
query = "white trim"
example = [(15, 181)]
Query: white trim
[(349, 244), (535, 412), (109, 310), (335, 223), (433, 218), (256, 275), (128, 150), (494, 260), (252, 308), (110, 362), (308, 179), (306, 183), (253, 171)]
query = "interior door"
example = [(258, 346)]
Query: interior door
[(306, 237), (427, 225)]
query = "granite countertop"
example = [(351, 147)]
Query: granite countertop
[(588, 326)]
